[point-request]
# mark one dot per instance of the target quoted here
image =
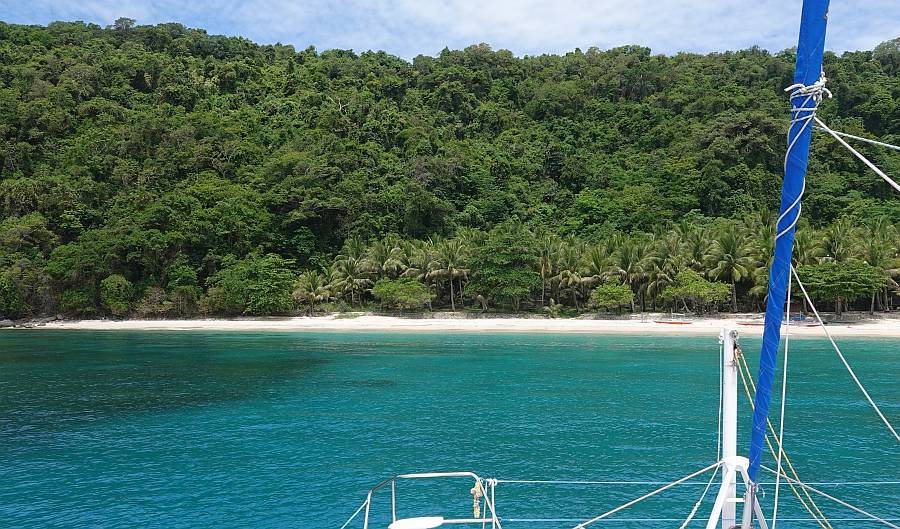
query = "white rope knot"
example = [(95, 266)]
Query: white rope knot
[(815, 90), (802, 112)]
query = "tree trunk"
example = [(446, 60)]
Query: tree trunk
[(452, 301), (872, 305), (733, 297), (632, 300)]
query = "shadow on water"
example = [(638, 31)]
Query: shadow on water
[(53, 381)]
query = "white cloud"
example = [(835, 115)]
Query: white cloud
[(410, 27)]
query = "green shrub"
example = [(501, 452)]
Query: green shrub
[(12, 305), (690, 288), (612, 295), (115, 295), (402, 293), (78, 302), (256, 285)]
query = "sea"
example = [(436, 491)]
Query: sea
[(233, 430)]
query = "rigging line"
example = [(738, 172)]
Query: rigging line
[(804, 115), (693, 512), (717, 464), (856, 153), (721, 363), (860, 138), (578, 482), (787, 339), (809, 504), (841, 356), (354, 514), (841, 502), (549, 520)]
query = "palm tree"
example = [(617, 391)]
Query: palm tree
[(762, 248), (546, 245), (664, 264), (838, 241), (695, 244), (471, 237), (760, 219), (569, 263), (730, 260), (354, 248), (383, 257), (353, 276), (629, 263), (598, 263), (450, 264), (311, 289), (879, 250), (331, 279), (416, 260), (806, 246)]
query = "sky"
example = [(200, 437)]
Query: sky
[(526, 27)]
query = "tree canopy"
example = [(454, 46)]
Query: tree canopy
[(840, 282), (209, 172)]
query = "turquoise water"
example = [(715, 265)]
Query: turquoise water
[(289, 430)]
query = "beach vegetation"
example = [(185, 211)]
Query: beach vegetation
[(694, 293), (840, 282), (115, 294), (221, 177), (403, 293), (258, 285), (612, 295)]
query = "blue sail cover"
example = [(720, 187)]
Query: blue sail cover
[(807, 72)]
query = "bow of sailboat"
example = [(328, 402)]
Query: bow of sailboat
[(739, 477)]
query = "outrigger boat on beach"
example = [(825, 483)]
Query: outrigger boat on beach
[(740, 475)]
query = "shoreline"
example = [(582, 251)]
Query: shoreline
[(880, 328)]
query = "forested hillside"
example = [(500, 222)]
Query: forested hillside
[(159, 170)]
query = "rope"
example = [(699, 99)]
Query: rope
[(693, 512), (648, 495), (580, 482), (841, 502), (841, 356), (859, 138), (817, 513), (865, 160), (354, 514), (801, 114), (620, 520), (787, 339)]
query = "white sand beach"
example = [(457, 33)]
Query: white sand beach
[(446, 323)]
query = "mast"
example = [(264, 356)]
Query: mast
[(807, 73)]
